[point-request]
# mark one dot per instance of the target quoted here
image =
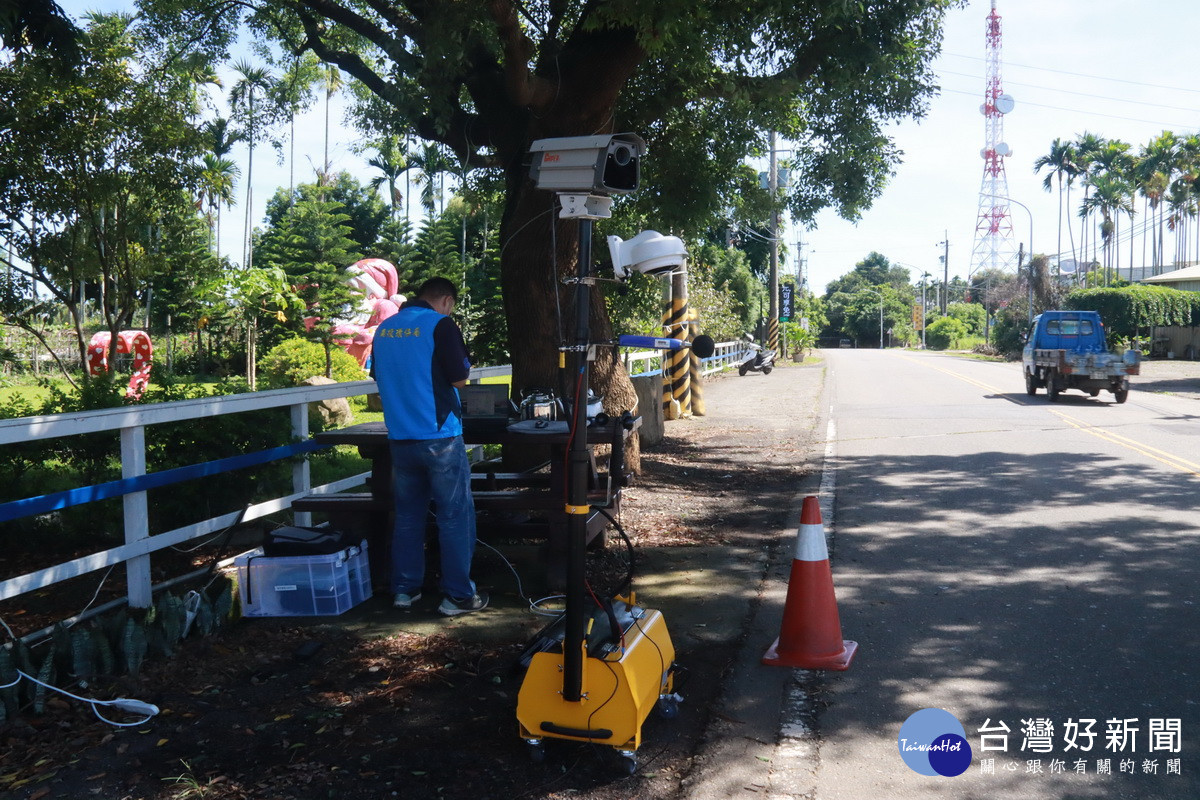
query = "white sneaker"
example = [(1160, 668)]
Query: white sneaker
[(452, 608), (402, 600)]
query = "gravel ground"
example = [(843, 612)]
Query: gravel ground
[(1170, 376)]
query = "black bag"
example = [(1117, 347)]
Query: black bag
[(292, 541)]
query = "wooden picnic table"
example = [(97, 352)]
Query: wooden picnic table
[(528, 504)]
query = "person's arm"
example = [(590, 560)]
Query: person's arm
[(451, 353)]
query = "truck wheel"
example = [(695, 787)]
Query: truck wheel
[(1052, 387), (1030, 384), (1121, 395)]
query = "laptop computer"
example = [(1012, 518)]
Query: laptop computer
[(485, 407)]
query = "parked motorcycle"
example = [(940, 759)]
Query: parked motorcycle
[(757, 358)]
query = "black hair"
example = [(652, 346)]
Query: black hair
[(434, 288)]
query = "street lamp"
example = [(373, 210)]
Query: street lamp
[(876, 291), (1030, 213)]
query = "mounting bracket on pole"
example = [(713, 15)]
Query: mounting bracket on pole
[(584, 206)]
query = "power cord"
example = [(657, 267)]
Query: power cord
[(534, 605), (126, 704)]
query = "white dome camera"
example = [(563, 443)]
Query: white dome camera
[(649, 253)]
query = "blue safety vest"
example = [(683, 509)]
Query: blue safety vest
[(418, 401)]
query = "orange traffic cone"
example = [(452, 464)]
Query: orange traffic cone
[(811, 635)]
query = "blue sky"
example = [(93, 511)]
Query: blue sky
[(1117, 69)]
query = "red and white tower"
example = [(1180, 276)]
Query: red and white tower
[(994, 245)]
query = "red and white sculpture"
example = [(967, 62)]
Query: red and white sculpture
[(379, 284), (136, 343)]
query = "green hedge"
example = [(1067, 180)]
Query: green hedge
[(1129, 309)]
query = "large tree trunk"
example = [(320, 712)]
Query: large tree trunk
[(533, 261)]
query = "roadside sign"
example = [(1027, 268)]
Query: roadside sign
[(786, 301)]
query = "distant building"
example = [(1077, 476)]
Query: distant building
[(1187, 279), (1177, 341)]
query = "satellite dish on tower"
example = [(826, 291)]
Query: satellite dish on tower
[(1003, 149), (1005, 103)]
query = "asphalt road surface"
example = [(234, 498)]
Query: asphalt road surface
[(1020, 564)]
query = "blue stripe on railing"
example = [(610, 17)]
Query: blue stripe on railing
[(155, 480)]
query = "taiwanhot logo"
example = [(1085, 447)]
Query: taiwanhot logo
[(933, 742)]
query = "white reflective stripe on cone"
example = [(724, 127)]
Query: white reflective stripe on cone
[(810, 544)]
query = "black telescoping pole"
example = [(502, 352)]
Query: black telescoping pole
[(577, 500)]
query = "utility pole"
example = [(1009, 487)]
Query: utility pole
[(773, 288), (924, 325), (945, 272)]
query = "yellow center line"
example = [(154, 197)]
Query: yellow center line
[(925, 363), (1161, 456)]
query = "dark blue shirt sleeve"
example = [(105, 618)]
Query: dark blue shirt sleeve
[(450, 351)]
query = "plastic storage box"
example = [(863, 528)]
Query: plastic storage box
[(303, 586)]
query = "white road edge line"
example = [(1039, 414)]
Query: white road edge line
[(793, 773)]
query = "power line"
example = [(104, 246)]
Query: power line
[(1068, 91), (1083, 75), (1175, 126)]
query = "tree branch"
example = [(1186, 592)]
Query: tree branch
[(349, 62), (364, 27), (404, 25), (524, 90)]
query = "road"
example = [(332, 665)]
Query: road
[(1008, 559)]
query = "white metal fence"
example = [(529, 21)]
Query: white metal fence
[(132, 421)]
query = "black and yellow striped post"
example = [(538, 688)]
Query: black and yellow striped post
[(773, 334), (694, 366), (676, 385)]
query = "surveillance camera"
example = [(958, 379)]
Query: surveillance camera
[(649, 253), (603, 164)]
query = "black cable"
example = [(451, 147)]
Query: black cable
[(616, 686), (628, 581), (228, 534)]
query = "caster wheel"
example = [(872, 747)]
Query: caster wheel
[(628, 760), (537, 752), (668, 707)]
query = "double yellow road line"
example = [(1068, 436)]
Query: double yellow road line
[(1161, 456)]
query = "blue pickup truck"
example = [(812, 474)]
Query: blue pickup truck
[(1068, 350)]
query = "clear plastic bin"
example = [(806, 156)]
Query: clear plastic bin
[(303, 586)]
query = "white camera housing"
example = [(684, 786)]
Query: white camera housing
[(609, 164), (649, 253)]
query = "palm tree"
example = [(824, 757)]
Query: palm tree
[(1059, 161), (293, 93), (217, 179), (432, 163), (391, 160), (1182, 206), (1157, 160), (221, 138), (1187, 182), (1109, 195), (1086, 147), (254, 81), (332, 79)]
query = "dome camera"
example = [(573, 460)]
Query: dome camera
[(649, 253)]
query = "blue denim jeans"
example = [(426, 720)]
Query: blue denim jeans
[(435, 470)]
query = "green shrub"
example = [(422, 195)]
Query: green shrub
[(1006, 333), (290, 363), (945, 333)]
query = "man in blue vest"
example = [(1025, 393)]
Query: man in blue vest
[(420, 360)]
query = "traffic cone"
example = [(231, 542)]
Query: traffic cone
[(811, 635)]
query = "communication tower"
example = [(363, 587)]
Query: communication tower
[(994, 246)]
